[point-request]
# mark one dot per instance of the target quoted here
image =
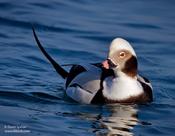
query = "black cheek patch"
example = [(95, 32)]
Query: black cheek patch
[(130, 67)]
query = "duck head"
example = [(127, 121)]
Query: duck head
[(121, 58)]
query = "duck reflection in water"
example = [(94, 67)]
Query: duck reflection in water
[(121, 121)]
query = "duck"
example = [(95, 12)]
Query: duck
[(115, 80)]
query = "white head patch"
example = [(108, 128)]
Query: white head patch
[(120, 44)]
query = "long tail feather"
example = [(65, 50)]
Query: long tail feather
[(57, 67)]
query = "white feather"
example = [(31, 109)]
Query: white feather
[(79, 95), (121, 88), (89, 82), (143, 81), (120, 44)]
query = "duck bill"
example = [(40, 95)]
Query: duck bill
[(105, 64), (109, 64)]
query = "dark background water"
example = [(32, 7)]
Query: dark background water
[(31, 92)]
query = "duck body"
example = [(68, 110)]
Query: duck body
[(95, 85), (115, 80)]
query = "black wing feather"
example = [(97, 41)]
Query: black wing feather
[(74, 71)]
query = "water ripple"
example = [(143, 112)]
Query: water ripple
[(32, 94), (141, 26)]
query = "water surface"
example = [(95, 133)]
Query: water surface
[(32, 94)]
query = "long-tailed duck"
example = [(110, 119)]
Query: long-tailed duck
[(115, 80)]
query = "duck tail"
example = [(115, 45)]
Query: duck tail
[(62, 72)]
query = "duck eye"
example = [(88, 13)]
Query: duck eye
[(122, 54)]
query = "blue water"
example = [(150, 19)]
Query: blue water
[(32, 94)]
